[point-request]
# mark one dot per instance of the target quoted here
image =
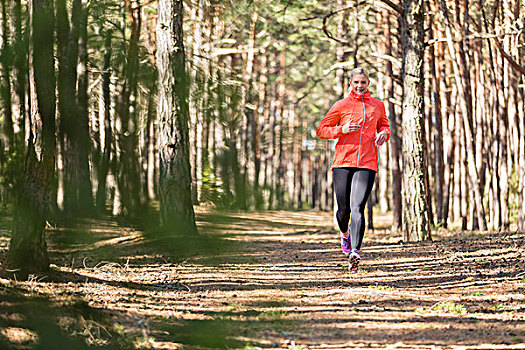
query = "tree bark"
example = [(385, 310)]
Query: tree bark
[(108, 132), (128, 178), (449, 139), (280, 110), (85, 193), (521, 166), (520, 56), (437, 125), (19, 49), (415, 210), (465, 105), (150, 141), (176, 208), (7, 134), (395, 142), (73, 107), (27, 248), (67, 56), (257, 129)]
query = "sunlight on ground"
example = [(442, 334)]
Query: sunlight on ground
[(282, 282), (19, 336)]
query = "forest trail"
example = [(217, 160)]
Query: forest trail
[(278, 279)]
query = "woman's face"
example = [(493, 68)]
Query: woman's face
[(359, 83)]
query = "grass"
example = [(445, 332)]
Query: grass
[(450, 307), (499, 307), (272, 303), (272, 315), (382, 288), (235, 306)]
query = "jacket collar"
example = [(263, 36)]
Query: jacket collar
[(359, 97)]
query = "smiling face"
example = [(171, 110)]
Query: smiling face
[(359, 83)]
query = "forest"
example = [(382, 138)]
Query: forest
[(192, 123)]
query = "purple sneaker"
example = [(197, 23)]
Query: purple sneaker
[(353, 261), (345, 244)]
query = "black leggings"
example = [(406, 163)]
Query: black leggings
[(352, 188)]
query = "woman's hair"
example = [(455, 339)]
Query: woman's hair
[(357, 71)]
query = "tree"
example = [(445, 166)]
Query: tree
[(73, 106), (27, 248), (176, 208), (106, 130), (19, 48), (7, 133), (128, 178), (395, 155), (415, 188), (460, 72)]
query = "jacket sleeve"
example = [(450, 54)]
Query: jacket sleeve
[(383, 124), (329, 127)]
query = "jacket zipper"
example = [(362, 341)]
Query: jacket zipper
[(361, 134)]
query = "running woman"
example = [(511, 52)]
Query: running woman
[(360, 124)]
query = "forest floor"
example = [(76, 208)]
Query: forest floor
[(274, 279)]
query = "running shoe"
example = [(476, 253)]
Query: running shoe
[(353, 261), (345, 244)]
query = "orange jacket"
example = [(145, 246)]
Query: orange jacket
[(355, 149)]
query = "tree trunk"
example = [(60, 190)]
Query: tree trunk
[(128, 178), (449, 139), (280, 110), (341, 80), (150, 140), (271, 169), (85, 193), (521, 170), (465, 105), (414, 190), (257, 129), (176, 208), (27, 249), (67, 56), (19, 49), (7, 133), (73, 107), (462, 164), (521, 166), (261, 149), (108, 132), (395, 142), (195, 106), (249, 112), (437, 125)]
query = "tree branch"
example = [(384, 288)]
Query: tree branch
[(393, 6), (327, 16), (513, 63), (146, 3)]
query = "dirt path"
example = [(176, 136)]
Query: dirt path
[(282, 283)]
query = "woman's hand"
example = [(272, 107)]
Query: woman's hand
[(380, 138), (350, 127)]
